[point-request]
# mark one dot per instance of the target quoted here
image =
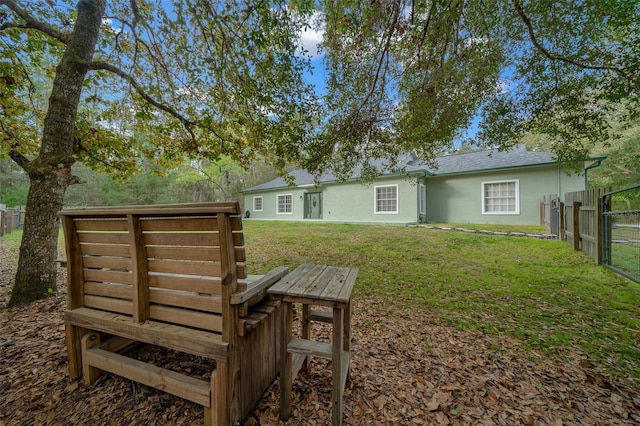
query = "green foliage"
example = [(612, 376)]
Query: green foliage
[(411, 75), (622, 166)]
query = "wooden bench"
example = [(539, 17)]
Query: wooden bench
[(173, 276)]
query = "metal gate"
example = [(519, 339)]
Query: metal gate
[(621, 231)]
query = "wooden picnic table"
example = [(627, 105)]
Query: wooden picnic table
[(316, 285)]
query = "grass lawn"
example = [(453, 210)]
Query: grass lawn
[(540, 291)]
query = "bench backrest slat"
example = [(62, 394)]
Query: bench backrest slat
[(162, 263)]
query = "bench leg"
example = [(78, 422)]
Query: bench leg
[(74, 356), (90, 374)]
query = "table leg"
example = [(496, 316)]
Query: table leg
[(306, 332), (347, 335), (286, 379), (336, 360)]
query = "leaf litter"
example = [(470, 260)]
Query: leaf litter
[(407, 368)]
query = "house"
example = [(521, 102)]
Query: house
[(476, 187)]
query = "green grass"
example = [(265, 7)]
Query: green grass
[(538, 291)]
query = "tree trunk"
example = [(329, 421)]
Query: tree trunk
[(50, 172)]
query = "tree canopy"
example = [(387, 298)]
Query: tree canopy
[(410, 75)]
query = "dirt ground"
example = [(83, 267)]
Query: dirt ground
[(406, 369)]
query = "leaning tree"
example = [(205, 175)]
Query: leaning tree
[(138, 78)]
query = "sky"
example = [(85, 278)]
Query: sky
[(310, 39)]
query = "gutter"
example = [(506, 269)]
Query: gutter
[(597, 163)]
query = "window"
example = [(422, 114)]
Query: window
[(257, 204), (386, 199), (285, 204), (501, 197), (423, 199)]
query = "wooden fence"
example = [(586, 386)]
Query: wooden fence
[(11, 219), (580, 221)]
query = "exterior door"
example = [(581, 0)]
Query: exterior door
[(313, 205)]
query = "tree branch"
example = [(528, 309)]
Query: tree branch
[(100, 65), (32, 22), (19, 159), (556, 57)]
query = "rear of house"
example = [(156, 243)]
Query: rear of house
[(478, 187)]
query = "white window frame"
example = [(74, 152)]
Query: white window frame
[(484, 199), (375, 199), (422, 198), (261, 203), (290, 195)]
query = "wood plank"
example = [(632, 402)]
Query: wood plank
[(187, 300), (101, 224), (139, 269), (283, 286), (107, 262), (347, 288), (160, 210), (209, 269), (180, 224), (196, 342), (75, 276), (103, 237), (336, 285), (120, 250), (107, 275), (182, 239), (184, 253), (321, 316), (258, 289), (120, 306), (192, 253), (177, 384), (89, 373), (197, 284), (310, 348), (121, 291), (229, 276), (201, 320)]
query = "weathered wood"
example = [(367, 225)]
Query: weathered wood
[(196, 342), (139, 269), (258, 289), (89, 373), (337, 347), (316, 285), (309, 347), (168, 381), (167, 275), (201, 320)]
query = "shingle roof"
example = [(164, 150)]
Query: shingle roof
[(448, 164), (491, 160)]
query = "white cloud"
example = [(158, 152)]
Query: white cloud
[(313, 35)]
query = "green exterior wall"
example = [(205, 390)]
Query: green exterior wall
[(458, 198), (449, 198), (349, 201)]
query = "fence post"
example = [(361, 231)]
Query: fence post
[(576, 225), (561, 234)]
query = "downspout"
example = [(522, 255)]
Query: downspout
[(424, 182), (593, 165)]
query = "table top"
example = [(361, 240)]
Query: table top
[(317, 282)]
